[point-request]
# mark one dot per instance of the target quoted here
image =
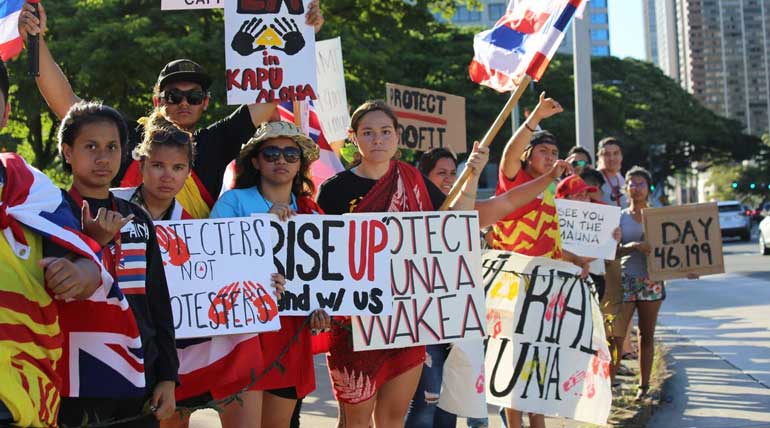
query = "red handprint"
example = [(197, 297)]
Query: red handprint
[(250, 292), (262, 300), (171, 243)]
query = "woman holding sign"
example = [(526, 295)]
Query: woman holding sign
[(273, 177), (639, 293)]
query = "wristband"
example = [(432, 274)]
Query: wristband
[(526, 125)]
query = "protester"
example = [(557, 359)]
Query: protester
[(91, 137), (595, 179), (528, 156), (579, 158), (273, 177), (181, 95), (610, 156), (43, 260)]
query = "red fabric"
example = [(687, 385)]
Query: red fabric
[(573, 185), (505, 184), (357, 376)]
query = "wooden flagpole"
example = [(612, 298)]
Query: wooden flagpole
[(297, 107), (487, 140)]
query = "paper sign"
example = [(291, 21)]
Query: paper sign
[(218, 273), (428, 119), (332, 103), (336, 263), (684, 239), (435, 279), (547, 352), (191, 4), (269, 51), (586, 229)]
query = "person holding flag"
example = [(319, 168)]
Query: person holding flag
[(181, 96)]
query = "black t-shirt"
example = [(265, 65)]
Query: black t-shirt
[(216, 146), (342, 193), (148, 297)]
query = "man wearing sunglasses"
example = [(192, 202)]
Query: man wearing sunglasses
[(181, 96), (579, 158)]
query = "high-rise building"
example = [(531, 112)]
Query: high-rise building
[(718, 51), (492, 10)]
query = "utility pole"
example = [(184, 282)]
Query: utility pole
[(584, 105)]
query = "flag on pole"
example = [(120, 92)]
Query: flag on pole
[(523, 41), (324, 168), (10, 40)]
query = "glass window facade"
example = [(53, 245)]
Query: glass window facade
[(496, 10), (600, 34), (462, 14)]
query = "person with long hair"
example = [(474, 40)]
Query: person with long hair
[(273, 177), (640, 294), (380, 183)]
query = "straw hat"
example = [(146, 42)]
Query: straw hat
[(270, 130)]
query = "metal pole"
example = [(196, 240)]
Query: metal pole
[(584, 106)]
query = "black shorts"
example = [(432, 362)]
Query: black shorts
[(74, 410), (289, 393), (196, 401)]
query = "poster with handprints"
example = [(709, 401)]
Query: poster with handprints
[(218, 273), (547, 352), (269, 52)]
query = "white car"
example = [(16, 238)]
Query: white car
[(734, 220), (764, 236)]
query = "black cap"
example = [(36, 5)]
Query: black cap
[(184, 70), (542, 137)]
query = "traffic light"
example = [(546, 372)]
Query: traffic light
[(753, 186), (735, 185)]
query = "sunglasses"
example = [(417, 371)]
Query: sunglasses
[(579, 164), (290, 154), (175, 96), (176, 137)]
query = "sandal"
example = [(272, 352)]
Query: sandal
[(642, 392), (625, 371), (630, 356)]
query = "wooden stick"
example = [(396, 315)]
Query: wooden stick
[(297, 107), (487, 140)]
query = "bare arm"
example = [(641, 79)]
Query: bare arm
[(492, 210), (52, 82), (511, 161), (476, 162)]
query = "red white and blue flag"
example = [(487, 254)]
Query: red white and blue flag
[(102, 350), (523, 41), (10, 40), (325, 167)]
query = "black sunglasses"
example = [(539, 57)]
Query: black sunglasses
[(272, 153), (175, 96), (178, 137)]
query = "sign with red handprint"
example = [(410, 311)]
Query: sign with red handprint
[(269, 51), (219, 275), (549, 352)]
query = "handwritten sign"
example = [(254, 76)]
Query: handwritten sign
[(547, 352), (191, 4), (332, 103), (218, 273), (269, 51), (337, 263), (684, 239), (435, 279), (586, 229), (428, 119)]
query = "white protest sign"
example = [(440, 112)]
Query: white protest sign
[(269, 52), (586, 228), (332, 103), (435, 274), (463, 365), (218, 273), (336, 263), (191, 4), (547, 352)]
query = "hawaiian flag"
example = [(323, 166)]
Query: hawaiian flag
[(522, 42), (102, 352), (10, 40), (324, 168)]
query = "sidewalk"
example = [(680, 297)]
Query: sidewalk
[(706, 391)]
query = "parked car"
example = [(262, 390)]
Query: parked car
[(764, 236), (734, 220)]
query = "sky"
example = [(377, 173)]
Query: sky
[(626, 28)]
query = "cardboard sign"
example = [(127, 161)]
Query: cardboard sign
[(435, 279), (191, 4), (547, 352), (428, 119), (269, 52), (586, 229), (218, 273), (336, 263), (332, 103), (684, 239), (463, 365)]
